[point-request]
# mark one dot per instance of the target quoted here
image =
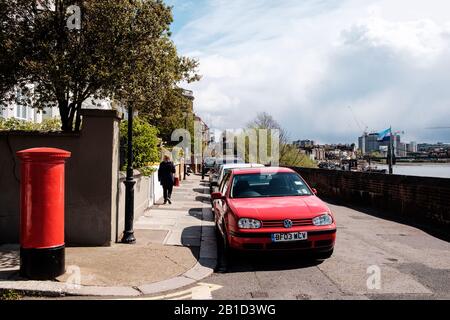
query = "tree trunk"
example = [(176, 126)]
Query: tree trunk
[(67, 111), (78, 117), (64, 114), (71, 115)]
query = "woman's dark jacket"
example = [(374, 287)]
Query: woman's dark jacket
[(165, 173)]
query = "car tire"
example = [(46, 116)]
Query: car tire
[(224, 252), (324, 254)]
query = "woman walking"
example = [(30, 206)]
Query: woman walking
[(166, 178)]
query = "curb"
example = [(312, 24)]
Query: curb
[(203, 268)]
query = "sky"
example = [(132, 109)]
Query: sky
[(326, 70)]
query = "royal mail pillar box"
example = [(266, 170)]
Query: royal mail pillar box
[(42, 254)]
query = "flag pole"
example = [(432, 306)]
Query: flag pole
[(391, 151)]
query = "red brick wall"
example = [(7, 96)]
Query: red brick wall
[(421, 199)]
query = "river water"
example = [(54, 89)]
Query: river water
[(423, 170)]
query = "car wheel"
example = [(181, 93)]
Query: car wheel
[(324, 255), (224, 252), (217, 233)]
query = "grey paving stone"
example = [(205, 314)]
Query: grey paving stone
[(203, 269), (166, 285), (104, 291)]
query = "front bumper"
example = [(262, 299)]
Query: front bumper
[(318, 240)]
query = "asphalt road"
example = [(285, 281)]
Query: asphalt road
[(374, 258)]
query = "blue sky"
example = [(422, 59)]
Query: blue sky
[(306, 61)]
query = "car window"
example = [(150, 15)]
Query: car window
[(279, 184), (224, 185)]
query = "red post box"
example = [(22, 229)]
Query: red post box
[(42, 246)]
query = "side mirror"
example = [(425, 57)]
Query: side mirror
[(314, 190), (217, 196)]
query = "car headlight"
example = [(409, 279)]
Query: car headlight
[(245, 223), (323, 220)]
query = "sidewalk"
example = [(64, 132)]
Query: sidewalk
[(175, 247)]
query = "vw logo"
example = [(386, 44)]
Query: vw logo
[(287, 223)]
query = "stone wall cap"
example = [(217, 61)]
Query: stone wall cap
[(101, 113)]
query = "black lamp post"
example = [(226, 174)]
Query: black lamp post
[(128, 234), (185, 149)]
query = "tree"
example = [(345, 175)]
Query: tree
[(122, 51), (294, 158), (289, 155), (171, 115), (145, 143), (265, 121)]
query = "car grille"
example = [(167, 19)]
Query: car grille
[(324, 243), (289, 245), (280, 223)]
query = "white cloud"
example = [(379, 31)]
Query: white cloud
[(306, 62)]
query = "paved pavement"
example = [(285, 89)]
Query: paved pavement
[(409, 264), (175, 247), (374, 259)]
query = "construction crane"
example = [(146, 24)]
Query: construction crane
[(357, 122)]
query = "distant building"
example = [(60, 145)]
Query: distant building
[(316, 154), (369, 143), (411, 147), (304, 143), (206, 135), (27, 113)]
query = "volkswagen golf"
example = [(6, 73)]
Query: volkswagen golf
[(272, 209)]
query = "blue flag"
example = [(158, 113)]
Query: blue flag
[(384, 135)]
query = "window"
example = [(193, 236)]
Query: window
[(21, 112), (280, 184), (224, 185)]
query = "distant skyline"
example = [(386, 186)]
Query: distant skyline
[(305, 62)]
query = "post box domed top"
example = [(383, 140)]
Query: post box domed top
[(43, 154)]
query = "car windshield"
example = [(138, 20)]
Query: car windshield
[(280, 184)]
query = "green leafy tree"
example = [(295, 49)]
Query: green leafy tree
[(294, 158), (145, 143), (175, 113), (13, 124), (122, 51)]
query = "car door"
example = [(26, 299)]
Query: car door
[(220, 205)]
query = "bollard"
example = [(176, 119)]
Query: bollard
[(42, 246)]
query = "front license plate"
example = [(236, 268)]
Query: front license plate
[(293, 236)]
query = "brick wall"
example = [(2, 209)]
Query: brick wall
[(424, 200)]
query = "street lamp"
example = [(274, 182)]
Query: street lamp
[(128, 234), (185, 148)]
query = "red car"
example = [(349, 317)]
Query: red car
[(272, 209)]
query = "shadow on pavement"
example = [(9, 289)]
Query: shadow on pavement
[(9, 263), (433, 230), (196, 212), (251, 262), (203, 199), (236, 261), (191, 238)]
